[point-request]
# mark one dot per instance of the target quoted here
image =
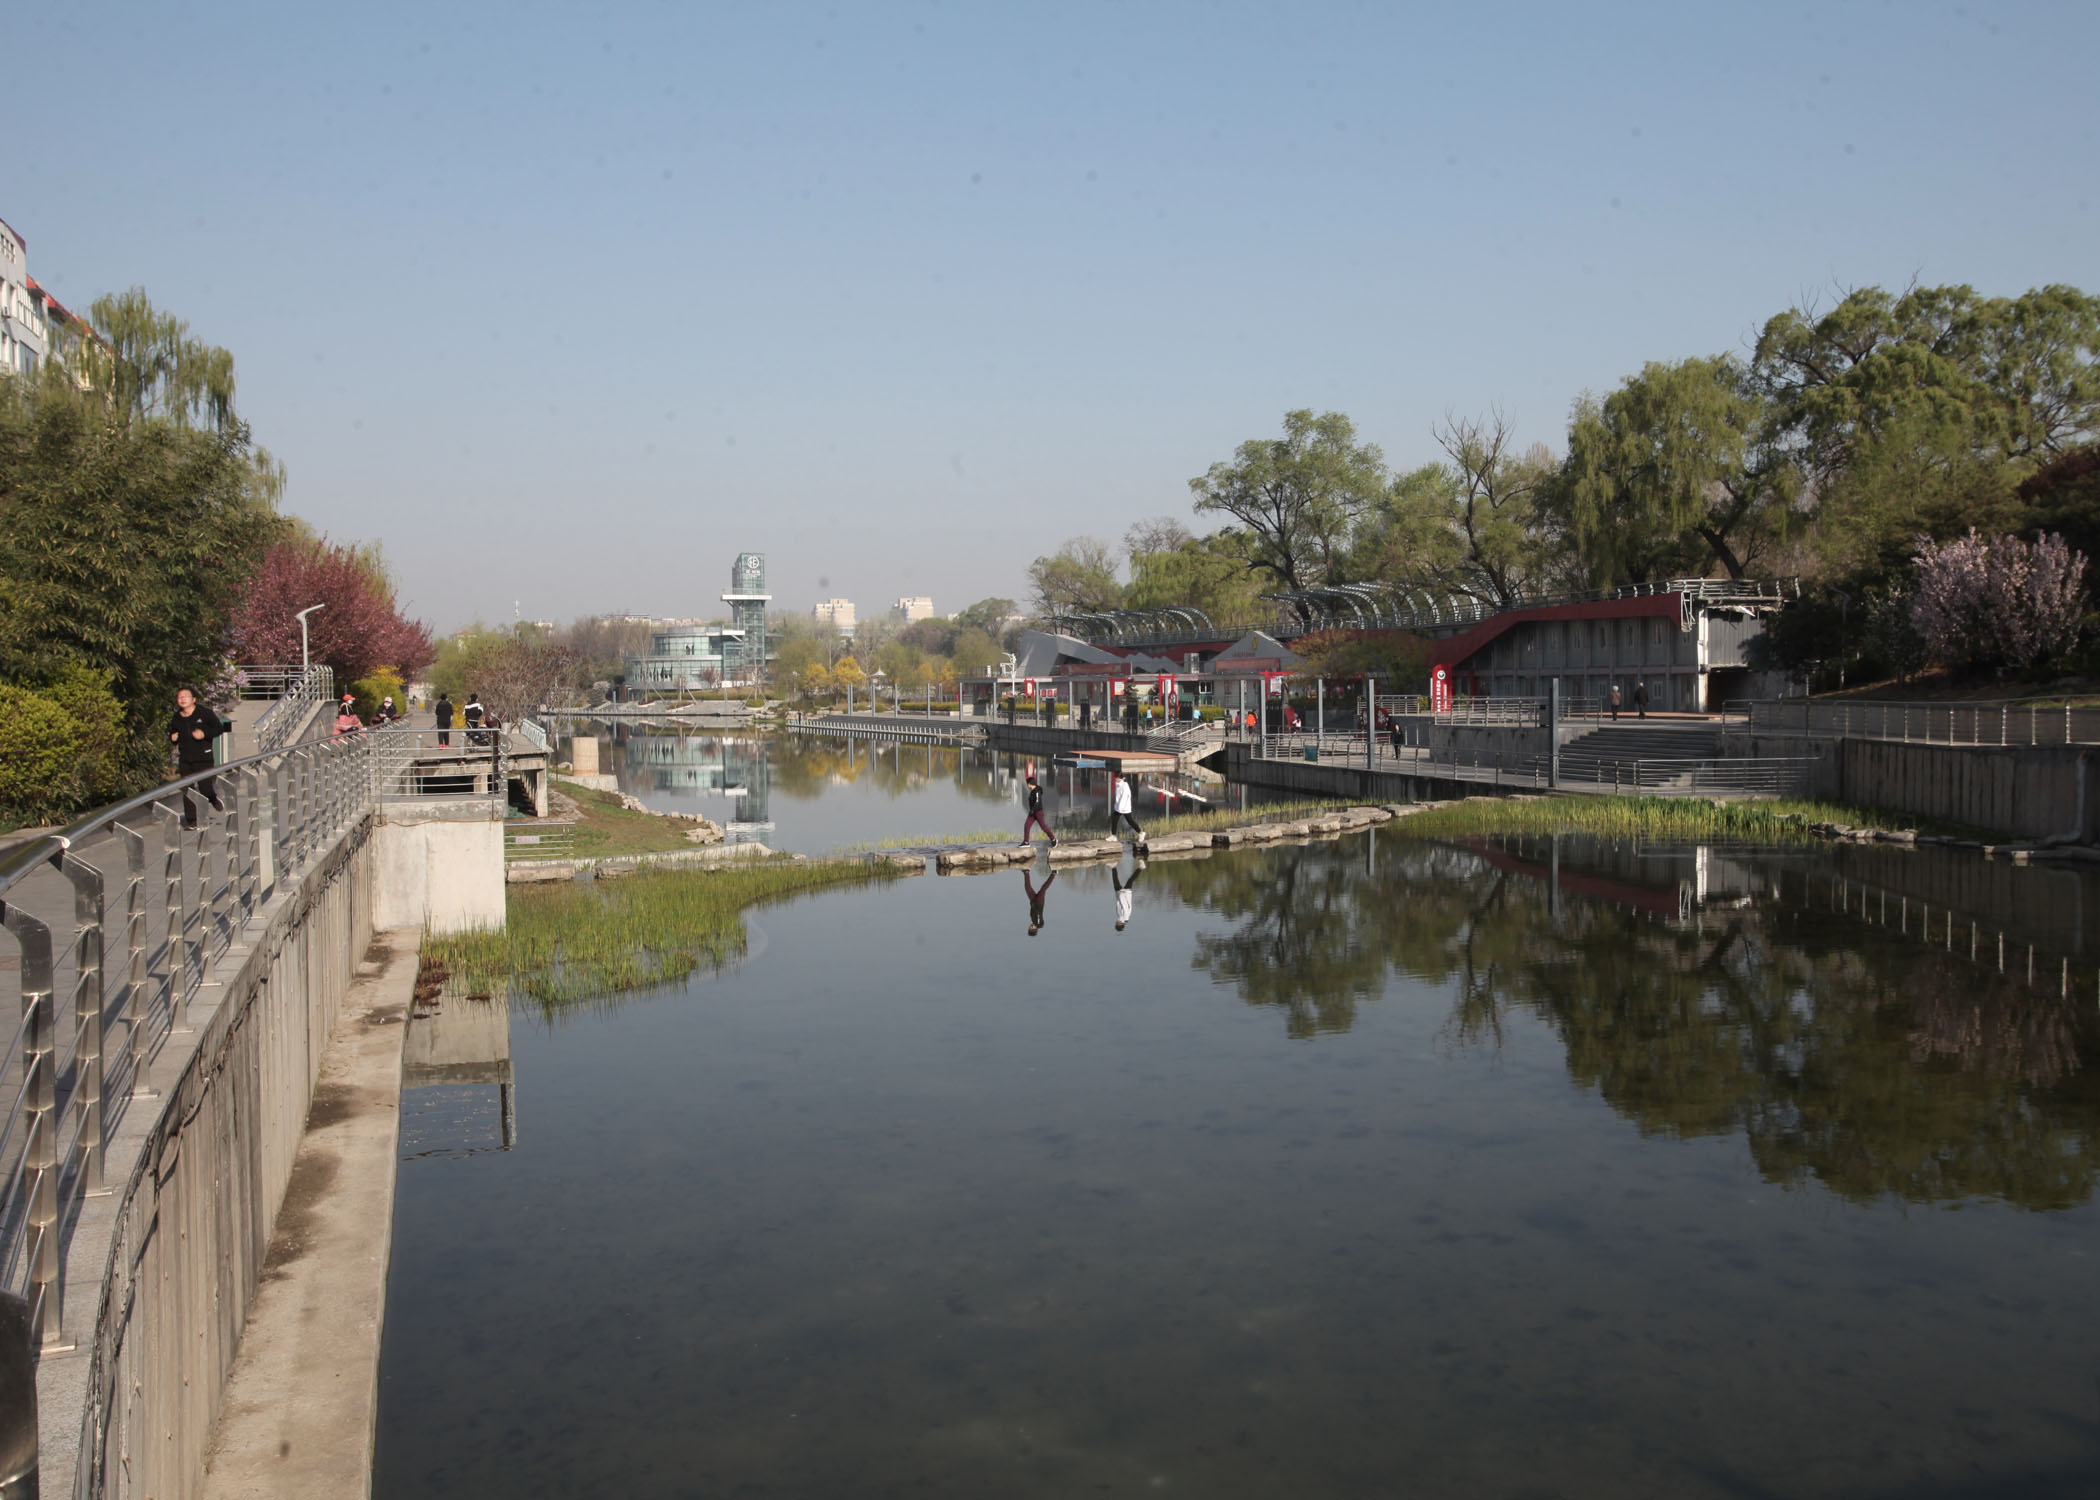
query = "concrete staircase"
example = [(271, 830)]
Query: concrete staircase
[(1593, 756)]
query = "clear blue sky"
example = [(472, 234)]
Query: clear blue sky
[(568, 304)]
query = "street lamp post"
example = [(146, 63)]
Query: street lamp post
[(303, 659)]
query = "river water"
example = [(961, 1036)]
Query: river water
[(1515, 1167), (812, 795)]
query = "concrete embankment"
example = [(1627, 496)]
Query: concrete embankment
[(2038, 792), (301, 1403), (543, 871)]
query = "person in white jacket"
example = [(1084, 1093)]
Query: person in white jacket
[(1123, 889), (1119, 808)]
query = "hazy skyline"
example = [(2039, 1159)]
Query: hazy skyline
[(569, 305)]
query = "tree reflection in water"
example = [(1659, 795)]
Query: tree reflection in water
[(1694, 1005)]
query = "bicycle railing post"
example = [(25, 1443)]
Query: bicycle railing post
[(40, 1139), (88, 1073)]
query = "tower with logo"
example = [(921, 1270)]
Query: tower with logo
[(747, 600)]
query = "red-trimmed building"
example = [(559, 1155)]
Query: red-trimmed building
[(1686, 640)]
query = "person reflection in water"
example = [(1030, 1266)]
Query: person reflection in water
[(1123, 890), (1035, 898)]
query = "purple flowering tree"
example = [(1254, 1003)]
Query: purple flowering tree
[(1998, 601)]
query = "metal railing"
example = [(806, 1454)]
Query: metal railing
[(533, 735), (413, 763), (310, 686), (2007, 721), (526, 839), (119, 922), (1746, 775), (1761, 775)]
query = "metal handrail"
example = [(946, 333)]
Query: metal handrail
[(312, 685), (284, 810), (2003, 721)]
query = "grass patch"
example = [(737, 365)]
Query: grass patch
[(606, 830), (1213, 819), (1643, 817), (576, 942)]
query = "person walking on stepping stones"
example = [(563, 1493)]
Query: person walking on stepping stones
[(1123, 890), (1119, 808), (1035, 815), (1035, 899)]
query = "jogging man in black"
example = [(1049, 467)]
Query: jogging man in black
[(193, 730)]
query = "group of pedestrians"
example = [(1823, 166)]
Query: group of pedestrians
[(194, 730), (1640, 699), (1120, 803)]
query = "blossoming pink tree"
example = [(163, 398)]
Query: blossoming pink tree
[(1998, 601)]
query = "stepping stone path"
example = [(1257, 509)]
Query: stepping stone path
[(978, 859)]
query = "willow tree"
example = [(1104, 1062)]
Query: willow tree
[(1923, 411), (1672, 474)]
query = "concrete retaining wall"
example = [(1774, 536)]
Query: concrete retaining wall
[(440, 866), (2016, 791), (2027, 793), (1826, 775), (1037, 739), (200, 1173)]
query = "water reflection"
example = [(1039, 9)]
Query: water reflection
[(814, 793), (1700, 991)]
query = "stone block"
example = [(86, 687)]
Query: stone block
[(540, 872)]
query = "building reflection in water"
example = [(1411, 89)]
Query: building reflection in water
[(735, 767), (1854, 1036)]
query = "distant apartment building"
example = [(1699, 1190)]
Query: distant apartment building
[(835, 612), (913, 607), (34, 325), (25, 337)]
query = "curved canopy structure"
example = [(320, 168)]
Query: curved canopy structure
[(1121, 624)]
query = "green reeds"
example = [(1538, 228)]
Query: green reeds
[(570, 943), (1639, 817), (1211, 819)]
